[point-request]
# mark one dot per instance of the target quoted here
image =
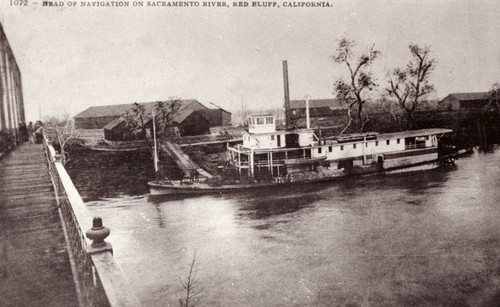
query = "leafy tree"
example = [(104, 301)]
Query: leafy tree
[(353, 91), (410, 86)]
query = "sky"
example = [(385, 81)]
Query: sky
[(72, 58)]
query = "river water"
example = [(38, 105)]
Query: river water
[(428, 238)]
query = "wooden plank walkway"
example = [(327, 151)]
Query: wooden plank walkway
[(183, 160), (34, 265)]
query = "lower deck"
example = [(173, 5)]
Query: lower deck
[(284, 162)]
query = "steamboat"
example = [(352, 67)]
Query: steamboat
[(298, 156)]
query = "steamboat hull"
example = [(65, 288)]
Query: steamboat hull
[(175, 188)]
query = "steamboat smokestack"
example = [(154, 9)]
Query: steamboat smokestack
[(287, 95), (308, 119)]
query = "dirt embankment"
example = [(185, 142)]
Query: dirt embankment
[(99, 174), (212, 158)]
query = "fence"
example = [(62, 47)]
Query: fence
[(98, 279)]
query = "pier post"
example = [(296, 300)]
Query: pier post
[(57, 158), (271, 163), (251, 163), (97, 234)]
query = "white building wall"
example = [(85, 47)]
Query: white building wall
[(5, 94), (384, 148), (347, 150), (306, 138), (261, 124), (403, 161), (263, 141), (261, 128)]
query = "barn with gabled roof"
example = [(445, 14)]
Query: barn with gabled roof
[(187, 121), (465, 101), (97, 117)]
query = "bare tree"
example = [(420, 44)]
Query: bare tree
[(64, 132), (135, 121), (392, 107), (410, 86), (165, 113), (494, 99), (191, 286), (353, 91), (138, 122)]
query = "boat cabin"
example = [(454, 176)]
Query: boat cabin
[(267, 152), (262, 134)]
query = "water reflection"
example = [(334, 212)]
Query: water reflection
[(264, 207)]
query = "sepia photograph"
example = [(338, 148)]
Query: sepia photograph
[(249, 153)]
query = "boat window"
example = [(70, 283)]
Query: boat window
[(388, 142), (354, 146), (260, 120), (330, 148), (427, 137), (319, 149), (376, 143), (341, 147), (269, 120), (366, 144), (398, 141), (272, 137)]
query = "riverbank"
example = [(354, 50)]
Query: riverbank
[(101, 174)]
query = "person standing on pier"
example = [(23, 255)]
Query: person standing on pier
[(30, 133)]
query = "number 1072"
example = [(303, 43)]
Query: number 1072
[(19, 2)]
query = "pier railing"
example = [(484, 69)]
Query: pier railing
[(98, 279)]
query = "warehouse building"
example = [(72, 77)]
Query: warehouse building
[(99, 116), (11, 97)]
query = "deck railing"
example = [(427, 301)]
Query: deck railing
[(414, 146), (98, 279)]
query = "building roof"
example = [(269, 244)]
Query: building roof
[(104, 111), (182, 114), (260, 114), (471, 96), (412, 133), (120, 109), (187, 107), (115, 122), (213, 106), (318, 103)]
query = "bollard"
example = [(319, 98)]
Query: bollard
[(97, 234)]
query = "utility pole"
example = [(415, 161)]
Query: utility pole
[(287, 95)]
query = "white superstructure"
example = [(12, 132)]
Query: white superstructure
[(269, 152)]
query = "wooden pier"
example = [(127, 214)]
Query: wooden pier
[(34, 265), (183, 160)]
